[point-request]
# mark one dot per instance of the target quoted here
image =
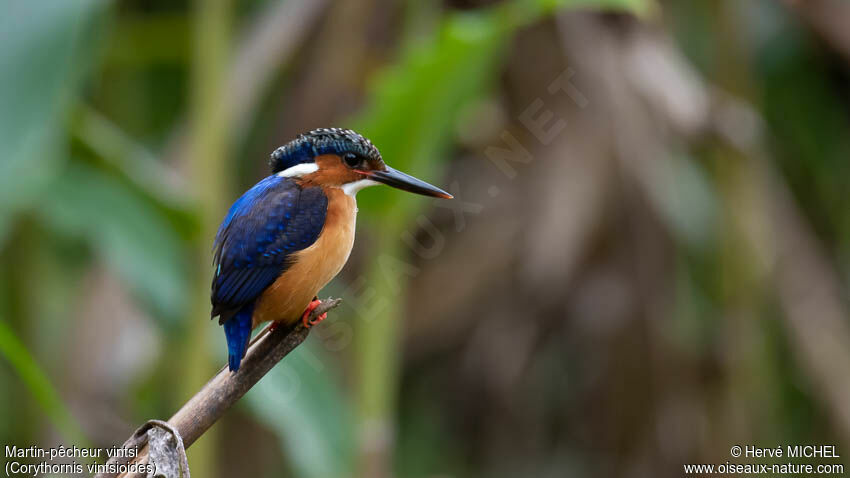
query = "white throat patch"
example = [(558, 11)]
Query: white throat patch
[(299, 170), (352, 188)]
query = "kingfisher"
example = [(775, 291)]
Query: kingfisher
[(290, 234)]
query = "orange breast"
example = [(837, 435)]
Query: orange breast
[(286, 299)]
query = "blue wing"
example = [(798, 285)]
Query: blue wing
[(255, 243)]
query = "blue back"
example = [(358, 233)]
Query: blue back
[(255, 242)]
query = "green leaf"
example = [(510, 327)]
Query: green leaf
[(415, 102), (300, 400), (129, 232), (638, 7), (39, 386), (132, 163), (131, 159), (43, 54)]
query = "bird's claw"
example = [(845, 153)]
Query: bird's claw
[(305, 319)]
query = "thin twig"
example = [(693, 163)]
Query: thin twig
[(225, 388)]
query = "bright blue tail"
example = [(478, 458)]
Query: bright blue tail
[(238, 332)]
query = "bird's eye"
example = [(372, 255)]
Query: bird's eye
[(351, 159)]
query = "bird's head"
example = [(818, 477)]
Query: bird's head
[(334, 157)]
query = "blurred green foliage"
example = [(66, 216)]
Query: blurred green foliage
[(47, 51), (316, 434), (124, 229), (35, 380)]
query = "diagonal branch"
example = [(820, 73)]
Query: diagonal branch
[(225, 388)]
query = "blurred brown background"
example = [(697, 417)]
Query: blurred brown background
[(646, 263)]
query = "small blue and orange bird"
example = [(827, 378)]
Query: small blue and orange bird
[(291, 233)]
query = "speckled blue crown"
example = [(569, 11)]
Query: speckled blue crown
[(306, 147)]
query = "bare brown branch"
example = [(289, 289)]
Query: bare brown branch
[(226, 388)]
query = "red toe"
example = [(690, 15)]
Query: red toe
[(305, 318), (318, 319)]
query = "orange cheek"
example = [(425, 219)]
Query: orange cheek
[(331, 172)]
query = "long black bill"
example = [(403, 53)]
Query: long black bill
[(397, 179)]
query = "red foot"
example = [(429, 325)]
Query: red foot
[(305, 319)]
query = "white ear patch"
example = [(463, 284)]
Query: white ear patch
[(352, 188), (299, 170)]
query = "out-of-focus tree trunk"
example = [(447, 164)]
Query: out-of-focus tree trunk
[(208, 170)]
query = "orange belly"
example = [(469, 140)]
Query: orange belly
[(312, 268)]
